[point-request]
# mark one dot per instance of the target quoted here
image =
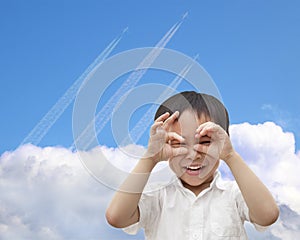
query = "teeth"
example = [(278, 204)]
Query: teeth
[(194, 167)]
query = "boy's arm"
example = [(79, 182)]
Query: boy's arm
[(123, 210), (263, 209)]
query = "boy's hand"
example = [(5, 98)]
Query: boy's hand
[(220, 146), (159, 148)]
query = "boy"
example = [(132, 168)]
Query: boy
[(191, 132)]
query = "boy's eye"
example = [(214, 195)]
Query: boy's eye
[(205, 142), (177, 144)]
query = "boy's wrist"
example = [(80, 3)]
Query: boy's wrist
[(150, 156), (151, 161), (231, 158)]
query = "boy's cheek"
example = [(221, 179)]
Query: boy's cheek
[(213, 151), (176, 164)]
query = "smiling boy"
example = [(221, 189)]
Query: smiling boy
[(191, 132)]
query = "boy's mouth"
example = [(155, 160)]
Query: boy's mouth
[(194, 169)]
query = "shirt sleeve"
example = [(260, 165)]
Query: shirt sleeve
[(243, 208), (149, 208)]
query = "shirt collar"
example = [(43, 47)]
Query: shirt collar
[(217, 182)]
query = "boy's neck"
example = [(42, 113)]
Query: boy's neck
[(198, 189)]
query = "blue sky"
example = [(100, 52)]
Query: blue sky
[(250, 48)]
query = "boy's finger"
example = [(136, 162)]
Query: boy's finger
[(155, 126), (171, 119), (175, 136), (163, 117), (200, 148), (204, 128)]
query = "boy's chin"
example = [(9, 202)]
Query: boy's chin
[(195, 181), (189, 183)]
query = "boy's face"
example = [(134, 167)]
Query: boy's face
[(195, 167)]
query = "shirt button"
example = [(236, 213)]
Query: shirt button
[(196, 236)]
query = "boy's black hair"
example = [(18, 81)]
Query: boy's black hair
[(203, 104)]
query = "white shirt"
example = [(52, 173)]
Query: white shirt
[(176, 213)]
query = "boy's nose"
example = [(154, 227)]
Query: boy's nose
[(192, 153)]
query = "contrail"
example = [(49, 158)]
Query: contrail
[(41, 129), (104, 115), (139, 129)]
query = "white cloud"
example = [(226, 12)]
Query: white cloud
[(46, 193), (288, 226), (270, 152)]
